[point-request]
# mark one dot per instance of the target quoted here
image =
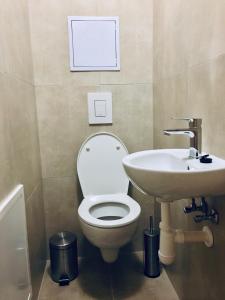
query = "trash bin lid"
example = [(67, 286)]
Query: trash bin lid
[(62, 240)]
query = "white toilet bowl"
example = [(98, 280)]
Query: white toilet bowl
[(108, 216)]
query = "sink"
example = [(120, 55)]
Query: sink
[(171, 175)]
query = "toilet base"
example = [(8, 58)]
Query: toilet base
[(109, 255), (109, 240)]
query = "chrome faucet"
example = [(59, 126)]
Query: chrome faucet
[(194, 132)]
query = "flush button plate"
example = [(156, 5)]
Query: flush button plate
[(100, 108)]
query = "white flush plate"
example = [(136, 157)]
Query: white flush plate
[(100, 108)]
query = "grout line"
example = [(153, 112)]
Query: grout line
[(207, 61), (94, 84), (56, 177), (43, 277), (170, 282), (125, 84), (187, 68), (34, 191), (17, 78)]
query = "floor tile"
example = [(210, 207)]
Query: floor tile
[(93, 282), (122, 280), (129, 282)]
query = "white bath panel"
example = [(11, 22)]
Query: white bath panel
[(14, 260)]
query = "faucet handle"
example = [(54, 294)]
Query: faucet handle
[(194, 122), (184, 119)]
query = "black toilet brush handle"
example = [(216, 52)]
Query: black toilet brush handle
[(151, 224)]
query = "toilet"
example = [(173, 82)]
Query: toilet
[(108, 216)]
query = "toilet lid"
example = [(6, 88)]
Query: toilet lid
[(99, 165)]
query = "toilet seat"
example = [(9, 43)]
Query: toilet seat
[(120, 202), (99, 165)]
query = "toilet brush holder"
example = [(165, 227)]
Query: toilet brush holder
[(151, 247)]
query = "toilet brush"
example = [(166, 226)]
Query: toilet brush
[(151, 247)]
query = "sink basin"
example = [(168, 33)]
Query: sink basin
[(171, 175)]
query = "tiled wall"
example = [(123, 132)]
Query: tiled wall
[(189, 64), (189, 80), (19, 145), (62, 100)]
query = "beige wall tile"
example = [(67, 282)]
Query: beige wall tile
[(20, 154), (136, 37), (188, 40), (36, 237), (203, 30), (195, 264), (19, 144), (15, 57), (51, 56), (54, 131), (170, 101), (186, 33), (21, 114), (147, 209), (49, 36), (206, 90), (132, 115), (63, 122), (197, 93), (170, 42), (7, 181), (62, 197)]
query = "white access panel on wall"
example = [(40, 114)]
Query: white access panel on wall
[(94, 43)]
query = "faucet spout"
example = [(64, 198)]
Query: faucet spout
[(169, 132), (194, 132)]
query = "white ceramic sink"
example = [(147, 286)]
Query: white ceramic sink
[(171, 175)]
